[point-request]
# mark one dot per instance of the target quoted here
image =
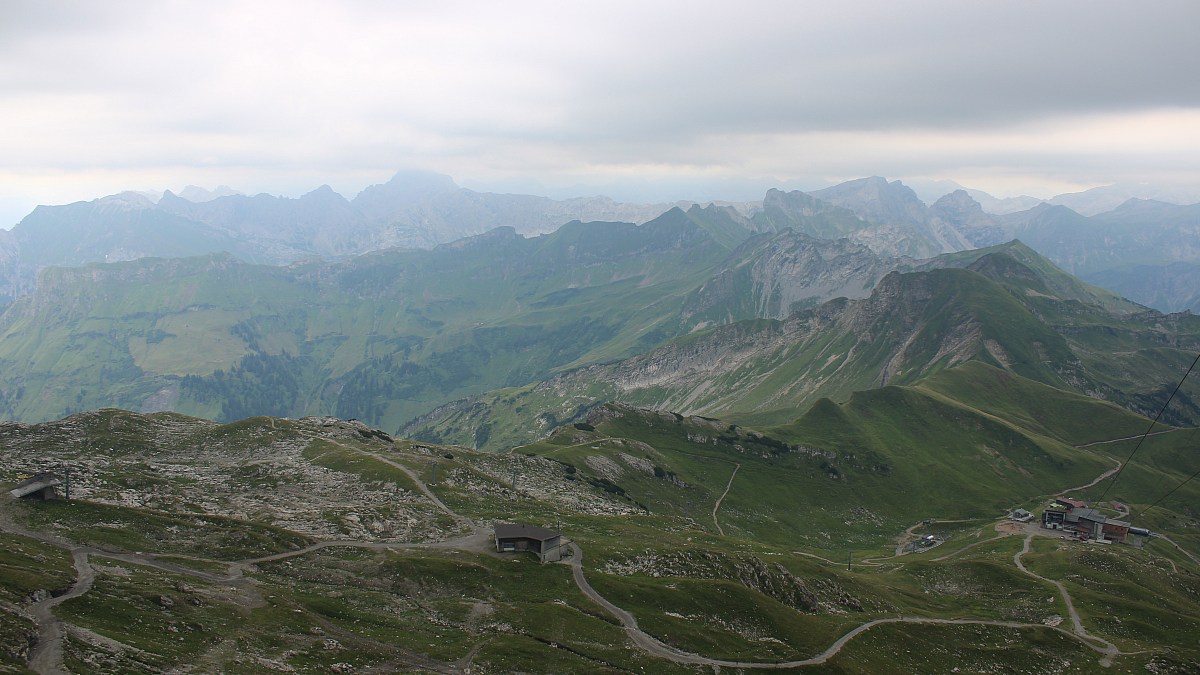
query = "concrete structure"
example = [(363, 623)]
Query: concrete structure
[(512, 537), (1085, 522), (1088, 522), (1053, 519), (41, 486)]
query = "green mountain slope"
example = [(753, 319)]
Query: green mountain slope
[(382, 337), (999, 311), (1031, 274), (389, 336)]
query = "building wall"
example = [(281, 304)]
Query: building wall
[(1116, 532), (552, 550), (1051, 517), (548, 551)]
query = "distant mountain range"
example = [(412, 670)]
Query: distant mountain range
[(1144, 250), (413, 210), (391, 336), (1141, 249), (415, 303)]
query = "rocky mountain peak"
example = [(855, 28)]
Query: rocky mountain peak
[(409, 185), (323, 195), (124, 201), (876, 200), (958, 201), (196, 194), (794, 201)]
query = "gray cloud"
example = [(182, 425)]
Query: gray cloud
[(901, 65), (277, 94)]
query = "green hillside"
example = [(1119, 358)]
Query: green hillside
[(389, 336), (1033, 276), (496, 340), (382, 337), (996, 311), (877, 463)]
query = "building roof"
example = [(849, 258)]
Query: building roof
[(523, 531), (31, 485), (1089, 514), (1071, 503)]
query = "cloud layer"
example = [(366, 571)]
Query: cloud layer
[(279, 96)]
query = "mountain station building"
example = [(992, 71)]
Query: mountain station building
[(513, 537), (1073, 515)]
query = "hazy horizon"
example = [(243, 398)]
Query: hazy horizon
[(639, 102)]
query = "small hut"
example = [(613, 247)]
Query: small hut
[(1021, 516), (512, 537), (40, 486)]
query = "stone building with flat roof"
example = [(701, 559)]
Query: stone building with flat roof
[(514, 537)]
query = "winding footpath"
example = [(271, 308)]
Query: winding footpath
[(968, 547), (657, 648), (1182, 550), (1099, 478), (420, 484), (1127, 438), (46, 655), (1097, 643), (594, 441), (720, 499)]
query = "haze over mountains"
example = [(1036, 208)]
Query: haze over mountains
[(418, 293), (413, 210), (1124, 244)]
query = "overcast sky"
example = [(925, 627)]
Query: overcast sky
[(697, 98)]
